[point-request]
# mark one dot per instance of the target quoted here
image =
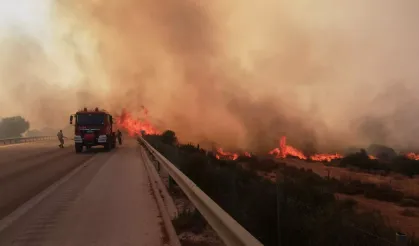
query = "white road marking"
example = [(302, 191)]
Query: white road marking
[(23, 209)]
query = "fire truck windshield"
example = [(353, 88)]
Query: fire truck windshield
[(90, 119)]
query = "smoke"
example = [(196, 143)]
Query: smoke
[(326, 74)]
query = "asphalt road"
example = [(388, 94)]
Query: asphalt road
[(27, 169), (105, 200)]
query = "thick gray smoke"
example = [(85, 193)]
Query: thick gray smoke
[(326, 74)]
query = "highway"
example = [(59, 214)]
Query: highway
[(52, 196)]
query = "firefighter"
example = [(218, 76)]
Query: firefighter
[(119, 136), (61, 138)]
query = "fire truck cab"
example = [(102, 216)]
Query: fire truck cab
[(93, 128)]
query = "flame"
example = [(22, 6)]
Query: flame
[(135, 126), (276, 152), (285, 150), (247, 154), (226, 155), (412, 156), (326, 157)]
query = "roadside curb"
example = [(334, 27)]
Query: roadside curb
[(167, 198), (173, 237)]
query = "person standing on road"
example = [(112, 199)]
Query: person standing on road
[(61, 138)]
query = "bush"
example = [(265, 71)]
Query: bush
[(407, 202), (405, 166), (384, 194), (189, 221), (362, 161), (348, 203), (399, 164), (308, 211), (369, 190), (169, 137), (265, 165)]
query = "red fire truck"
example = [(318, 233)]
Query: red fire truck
[(93, 128)]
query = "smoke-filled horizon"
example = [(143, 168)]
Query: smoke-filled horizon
[(327, 74)]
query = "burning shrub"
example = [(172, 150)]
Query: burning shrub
[(382, 152), (400, 164), (362, 161)]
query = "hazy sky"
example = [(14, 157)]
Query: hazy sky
[(240, 73)]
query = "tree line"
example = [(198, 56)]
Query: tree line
[(13, 127)]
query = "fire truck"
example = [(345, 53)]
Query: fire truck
[(93, 128)]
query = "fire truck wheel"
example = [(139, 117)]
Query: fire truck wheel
[(79, 148)]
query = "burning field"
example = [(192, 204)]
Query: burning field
[(142, 125), (327, 165)]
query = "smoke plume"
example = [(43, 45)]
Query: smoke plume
[(327, 74)]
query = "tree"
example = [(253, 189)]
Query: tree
[(11, 127), (169, 137)]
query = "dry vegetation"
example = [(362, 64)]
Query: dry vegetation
[(409, 186), (189, 231), (309, 205), (397, 215)]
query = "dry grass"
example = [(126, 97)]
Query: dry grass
[(399, 217), (409, 187), (193, 236), (396, 215)]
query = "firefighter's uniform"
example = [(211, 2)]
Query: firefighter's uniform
[(61, 139)]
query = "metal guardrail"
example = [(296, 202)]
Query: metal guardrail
[(229, 230), (24, 140)]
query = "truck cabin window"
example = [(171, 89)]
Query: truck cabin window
[(90, 119)]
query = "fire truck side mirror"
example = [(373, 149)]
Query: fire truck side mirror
[(71, 120)]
